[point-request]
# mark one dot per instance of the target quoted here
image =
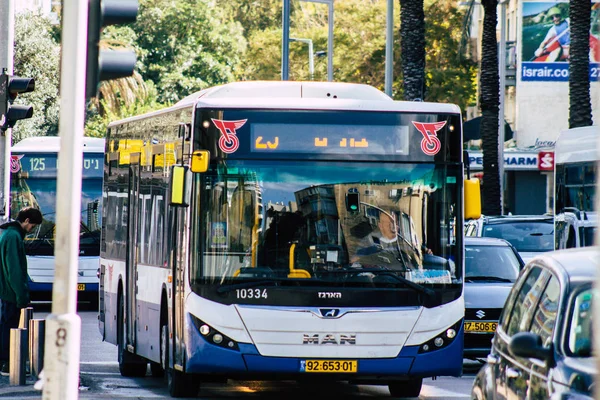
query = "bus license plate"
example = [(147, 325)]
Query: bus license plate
[(342, 366), (475, 326), (81, 286)]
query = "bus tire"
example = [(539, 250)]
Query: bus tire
[(410, 388), (178, 383), (130, 365)]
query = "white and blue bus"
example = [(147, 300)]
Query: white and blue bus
[(33, 183), (285, 230), (576, 155)]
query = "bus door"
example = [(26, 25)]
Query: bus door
[(179, 255), (132, 237)]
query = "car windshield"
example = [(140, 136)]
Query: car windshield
[(526, 236), (580, 331), (491, 262)]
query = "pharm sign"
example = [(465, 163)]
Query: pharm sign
[(518, 161)]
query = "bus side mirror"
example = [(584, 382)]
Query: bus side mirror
[(180, 186), (472, 199), (200, 159)]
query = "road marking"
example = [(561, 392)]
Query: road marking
[(99, 373), (99, 363)]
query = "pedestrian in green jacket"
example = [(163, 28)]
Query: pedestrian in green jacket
[(14, 287)]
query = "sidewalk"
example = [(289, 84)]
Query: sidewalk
[(19, 392)]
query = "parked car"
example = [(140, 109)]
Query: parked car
[(491, 268), (542, 348), (529, 234)]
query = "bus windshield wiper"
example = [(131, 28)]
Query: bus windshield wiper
[(246, 285), (401, 279), (487, 278)]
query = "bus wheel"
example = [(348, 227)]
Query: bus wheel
[(410, 388), (178, 383), (129, 364)]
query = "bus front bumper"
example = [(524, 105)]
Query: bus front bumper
[(210, 359)]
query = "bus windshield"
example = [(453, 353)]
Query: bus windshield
[(329, 222), (35, 185)]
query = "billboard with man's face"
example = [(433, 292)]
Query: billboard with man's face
[(546, 39)]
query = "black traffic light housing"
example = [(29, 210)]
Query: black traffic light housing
[(353, 200), (10, 87), (103, 65)]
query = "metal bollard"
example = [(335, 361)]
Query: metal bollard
[(18, 356), (37, 329), (26, 316)]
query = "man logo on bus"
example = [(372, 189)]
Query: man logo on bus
[(430, 144), (228, 142), (15, 164)]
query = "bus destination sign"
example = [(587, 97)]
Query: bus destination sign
[(330, 139)]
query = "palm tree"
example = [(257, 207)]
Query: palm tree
[(489, 101), (412, 41), (580, 107)]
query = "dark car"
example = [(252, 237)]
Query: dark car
[(543, 344), (491, 268), (529, 234)]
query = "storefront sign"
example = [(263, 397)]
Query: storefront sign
[(546, 161), (513, 161)]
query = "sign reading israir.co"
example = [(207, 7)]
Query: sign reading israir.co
[(546, 41)]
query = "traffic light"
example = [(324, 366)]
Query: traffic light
[(352, 200), (10, 87), (103, 65)]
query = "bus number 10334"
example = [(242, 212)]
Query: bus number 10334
[(251, 293)]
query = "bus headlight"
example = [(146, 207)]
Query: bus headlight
[(442, 340), (213, 336)]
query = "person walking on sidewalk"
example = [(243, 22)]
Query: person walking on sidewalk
[(14, 287)]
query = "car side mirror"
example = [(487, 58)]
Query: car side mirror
[(529, 345)]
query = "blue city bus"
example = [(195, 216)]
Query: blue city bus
[(285, 230), (33, 183)]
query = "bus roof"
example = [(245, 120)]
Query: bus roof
[(578, 145), (51, 144), (289, 95)]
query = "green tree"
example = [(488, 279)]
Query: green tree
[(36, 55), (186, 46), (580, 106), (359, 43), (490, 103), (450, 77)]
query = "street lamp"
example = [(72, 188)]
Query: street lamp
[(285, 51), (311, 61)]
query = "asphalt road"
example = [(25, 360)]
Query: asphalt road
[(100, 379)]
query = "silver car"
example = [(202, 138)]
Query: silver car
[(491, 268)]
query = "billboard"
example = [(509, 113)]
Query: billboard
[(546, 40)]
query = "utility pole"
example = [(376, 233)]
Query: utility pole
[(83, 67), (63, 325), (502, 81), (7, 44), (389, 48)]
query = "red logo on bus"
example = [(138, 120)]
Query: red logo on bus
[(15, 164), (228, 142), (430, 144)]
